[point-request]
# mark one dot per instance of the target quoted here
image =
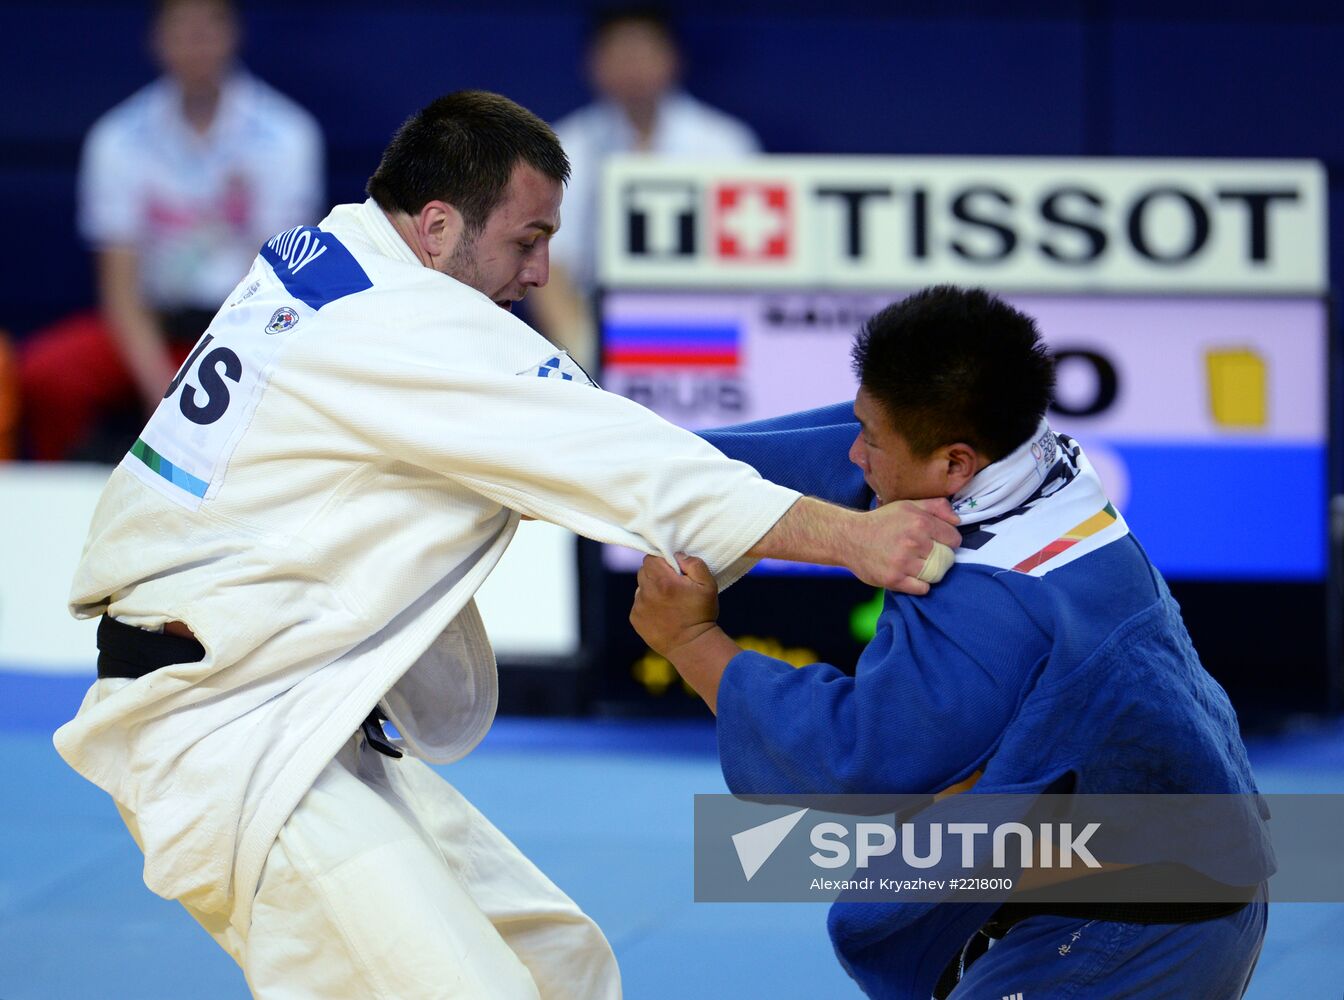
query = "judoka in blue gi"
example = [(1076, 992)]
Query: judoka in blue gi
[(1051, 658)]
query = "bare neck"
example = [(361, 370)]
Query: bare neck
[(200, 105), (643, 118), (405, 227)]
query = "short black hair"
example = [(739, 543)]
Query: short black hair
[(955, 364), (649, 16), (462, 149)]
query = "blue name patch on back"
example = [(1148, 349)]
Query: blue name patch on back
[(314, 266)]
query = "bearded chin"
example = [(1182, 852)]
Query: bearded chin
[(462, 264)]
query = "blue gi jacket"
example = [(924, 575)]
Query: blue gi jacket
[(1081, 679)]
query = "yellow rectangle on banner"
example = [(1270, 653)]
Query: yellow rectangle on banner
[(1238, 394)]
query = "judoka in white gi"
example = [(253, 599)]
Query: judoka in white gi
[(295, 540)]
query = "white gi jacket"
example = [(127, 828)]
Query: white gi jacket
[(330, 477)]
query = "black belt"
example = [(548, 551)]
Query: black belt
[(1009, 915), (130, 652), (127, 651)]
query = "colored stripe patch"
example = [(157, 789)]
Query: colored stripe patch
[(709, 345), (160, 465), (1103, 518)]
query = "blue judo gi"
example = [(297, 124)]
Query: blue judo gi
[(1081, 679)]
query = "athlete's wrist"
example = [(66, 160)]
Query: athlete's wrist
[(702, 659)]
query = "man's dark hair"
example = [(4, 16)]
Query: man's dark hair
[(462, 149), (653, 18), (162, 7), (954, 364)]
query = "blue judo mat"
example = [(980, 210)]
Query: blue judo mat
[(604, 808)]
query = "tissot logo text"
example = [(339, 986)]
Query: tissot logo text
[(661, 218), (1021, 224)]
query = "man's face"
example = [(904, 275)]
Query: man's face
[(633, 64), (511, 252), (196, 43), (889, 467)]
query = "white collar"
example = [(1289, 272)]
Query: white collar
[(1006, 484), (383, 235)]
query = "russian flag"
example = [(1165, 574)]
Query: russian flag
[(712, 344)]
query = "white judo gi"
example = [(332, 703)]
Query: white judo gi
[(332, 474)]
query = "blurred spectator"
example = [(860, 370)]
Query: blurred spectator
[(178, 187), (9, 400), (634, 67)]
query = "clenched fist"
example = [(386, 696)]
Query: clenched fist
[(677, 615)]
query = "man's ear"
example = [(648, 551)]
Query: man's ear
[(439, 226), (963, 462)]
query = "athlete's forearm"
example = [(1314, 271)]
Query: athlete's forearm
[(702, 661), (889, 547), (811, 531)]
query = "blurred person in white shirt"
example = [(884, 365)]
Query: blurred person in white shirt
[(634, 68), (178, 187)]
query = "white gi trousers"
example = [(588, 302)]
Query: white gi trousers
[(387, 884)]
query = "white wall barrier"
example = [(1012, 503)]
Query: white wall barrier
[(530, 602)]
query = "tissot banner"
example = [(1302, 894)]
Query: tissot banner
[(1012, 224)]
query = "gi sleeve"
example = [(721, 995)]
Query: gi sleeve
[(561, 451), (807, 451), (928, 703)]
